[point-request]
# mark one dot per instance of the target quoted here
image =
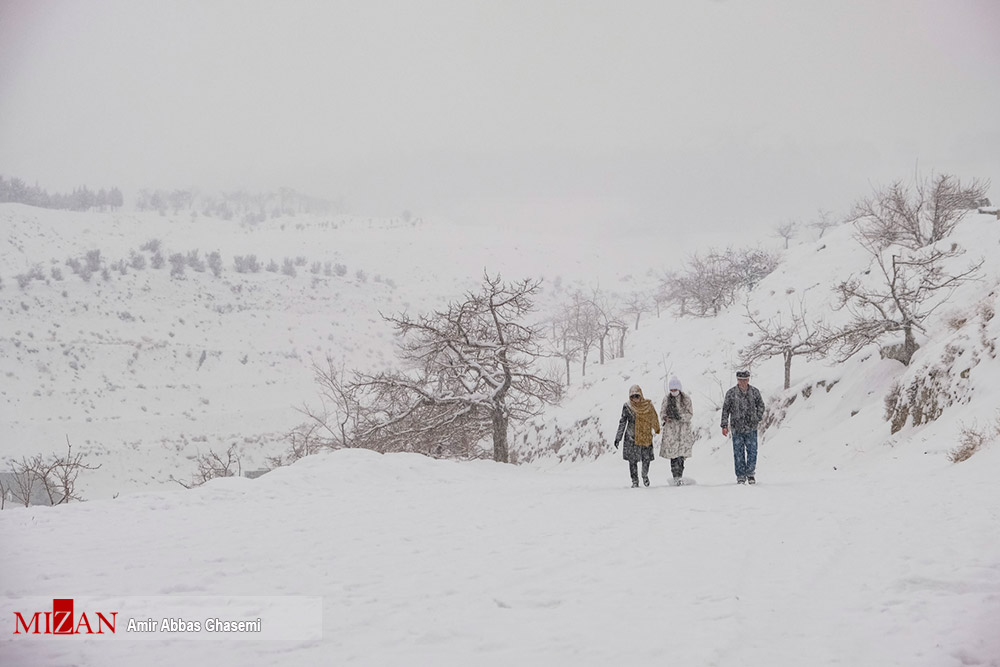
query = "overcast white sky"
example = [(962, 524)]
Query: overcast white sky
[(574, 111)]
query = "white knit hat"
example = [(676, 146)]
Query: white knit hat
[(674, 383)]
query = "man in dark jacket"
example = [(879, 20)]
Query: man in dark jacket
[(741, 413)]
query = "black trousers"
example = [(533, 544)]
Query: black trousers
[(633, 468), (677, 467)]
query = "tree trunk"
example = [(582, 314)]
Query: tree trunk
[(583, 371), (637, 316), (602, 348), (909, 345), (621, 344), (500, 453), (788, 368), (567, 371)]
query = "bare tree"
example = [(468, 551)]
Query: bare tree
[(908, 285), (561, 344), (787, 338), (746, 267), (607, 318), (786, 230), (678, 290), (336, 416), (584, 320), (213, 465), (918, 216), (54, 475), (824, 221), (621, 329), (711, 282), (636, 303), (473, 372)]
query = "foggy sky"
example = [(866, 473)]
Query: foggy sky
[(613, 113)]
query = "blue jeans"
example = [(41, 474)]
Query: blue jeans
[(745, 454)]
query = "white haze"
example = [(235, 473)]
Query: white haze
[(640, 114)]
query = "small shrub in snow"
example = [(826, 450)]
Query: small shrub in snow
[(340, 269), (93, 259), (106, 275), (195, 261), (315, 268), (272, 267), (247, 264), (152, 245), (177, 264), (157, 260), (328, 268), (57, 273), (361, 276), (74, 265), (137, 261), (289, 267), (23, 280), (300, 260), (214, 465), (120, 266), (969, 442), (957, 321), (215, 263)]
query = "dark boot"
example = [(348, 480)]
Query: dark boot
[(633, 469), (645, 473)]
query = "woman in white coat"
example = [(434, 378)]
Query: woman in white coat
[(678, 437)]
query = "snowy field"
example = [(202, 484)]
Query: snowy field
[(857, 547), (423, 562)]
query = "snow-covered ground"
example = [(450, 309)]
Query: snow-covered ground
[(858, 547), (430, 562)]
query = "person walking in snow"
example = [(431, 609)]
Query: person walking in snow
[(637, 424), (678, 437), (742, 411)]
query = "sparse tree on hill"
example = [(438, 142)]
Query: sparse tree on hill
[(824, 221), (786, 337), (583, 327), (895, 295), (917, 216), (636, 303), (786, 230), (472, 372)]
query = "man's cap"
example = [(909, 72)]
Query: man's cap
[(742, 375)]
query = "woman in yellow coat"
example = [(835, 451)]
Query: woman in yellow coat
[(639, 420)]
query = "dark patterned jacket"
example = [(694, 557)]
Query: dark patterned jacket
[(742, 410)]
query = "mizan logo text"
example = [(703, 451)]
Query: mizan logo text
[(62, 621)]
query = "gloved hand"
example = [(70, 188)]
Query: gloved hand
[(725, 431)]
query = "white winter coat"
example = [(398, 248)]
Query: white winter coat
[(677, 438)]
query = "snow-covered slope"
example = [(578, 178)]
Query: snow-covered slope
[(859, 546), (142, 371), (424, 562)]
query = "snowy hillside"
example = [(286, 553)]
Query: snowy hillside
[(860, 545), (143, 371)]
